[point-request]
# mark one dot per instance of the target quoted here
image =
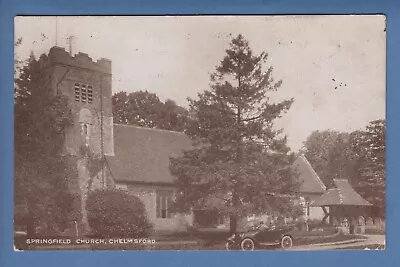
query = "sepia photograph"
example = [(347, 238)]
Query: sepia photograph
[(228, 133)]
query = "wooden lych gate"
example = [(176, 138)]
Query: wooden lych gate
[(343, 206)]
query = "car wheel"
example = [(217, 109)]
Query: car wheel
[(247, 244), (286, 242), (229, 246)]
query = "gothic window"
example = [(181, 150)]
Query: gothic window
[(221, 219), (85, 130), (83, 93), (308, 202), (163, 203), (85, 120)]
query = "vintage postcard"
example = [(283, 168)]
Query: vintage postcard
[(200, 132)]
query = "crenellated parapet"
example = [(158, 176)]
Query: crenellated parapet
[(58, 55)]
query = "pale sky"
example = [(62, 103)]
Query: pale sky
[(174, 56)]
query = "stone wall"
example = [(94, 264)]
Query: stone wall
[(64, 72), (91, 107), (147, 194)]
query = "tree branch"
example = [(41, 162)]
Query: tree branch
[(252, 119)]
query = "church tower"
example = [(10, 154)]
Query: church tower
[(87, 84)]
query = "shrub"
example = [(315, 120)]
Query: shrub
[(116, 213)]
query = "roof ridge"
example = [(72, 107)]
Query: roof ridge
[(340, 195), (313, 171), (350, 188), (148, 128)]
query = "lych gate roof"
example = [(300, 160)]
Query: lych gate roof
[(309, 179), (142, 154), (342, 195)]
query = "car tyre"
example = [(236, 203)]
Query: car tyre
[(247, 244), (229, 246), (287, 242)]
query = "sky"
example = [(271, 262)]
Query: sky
[(333, 66)]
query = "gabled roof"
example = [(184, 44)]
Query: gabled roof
[(142, 154), (342, 195), (310, 181)]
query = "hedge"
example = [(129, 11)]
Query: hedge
[(116, 213)]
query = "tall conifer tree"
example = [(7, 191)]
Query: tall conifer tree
[(239, 159)]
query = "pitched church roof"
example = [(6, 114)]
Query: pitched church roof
[(342, 195), (310, 181), (142, 154)]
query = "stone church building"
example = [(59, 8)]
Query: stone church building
[(136, 158)]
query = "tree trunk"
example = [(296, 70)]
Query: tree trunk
[(233, 223), (233, 220)]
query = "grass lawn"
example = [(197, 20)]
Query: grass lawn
[(367, 247), (208, 235), (372, 231), (310, 234), (307, 240), (215, 238)]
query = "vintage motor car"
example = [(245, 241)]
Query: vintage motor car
[(262, 237)]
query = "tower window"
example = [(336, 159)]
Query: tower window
[(83, 93), (89, 94), (77, 92)]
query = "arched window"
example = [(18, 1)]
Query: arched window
[(308, 201), (85, 120), (85, 129)]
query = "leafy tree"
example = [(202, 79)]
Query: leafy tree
[(41, 172), (145, 109), (330, 154), (173, 117), (370, 147), (358, 157), (238, 156)]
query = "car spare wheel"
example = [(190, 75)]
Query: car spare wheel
[(247, 244), (286, 242)]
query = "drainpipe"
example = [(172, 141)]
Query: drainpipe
[(101, 132)]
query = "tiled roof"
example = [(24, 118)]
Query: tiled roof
[(310, 181), (142, 154), (343, 194)]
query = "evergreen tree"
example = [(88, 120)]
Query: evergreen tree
[(238, 157)]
